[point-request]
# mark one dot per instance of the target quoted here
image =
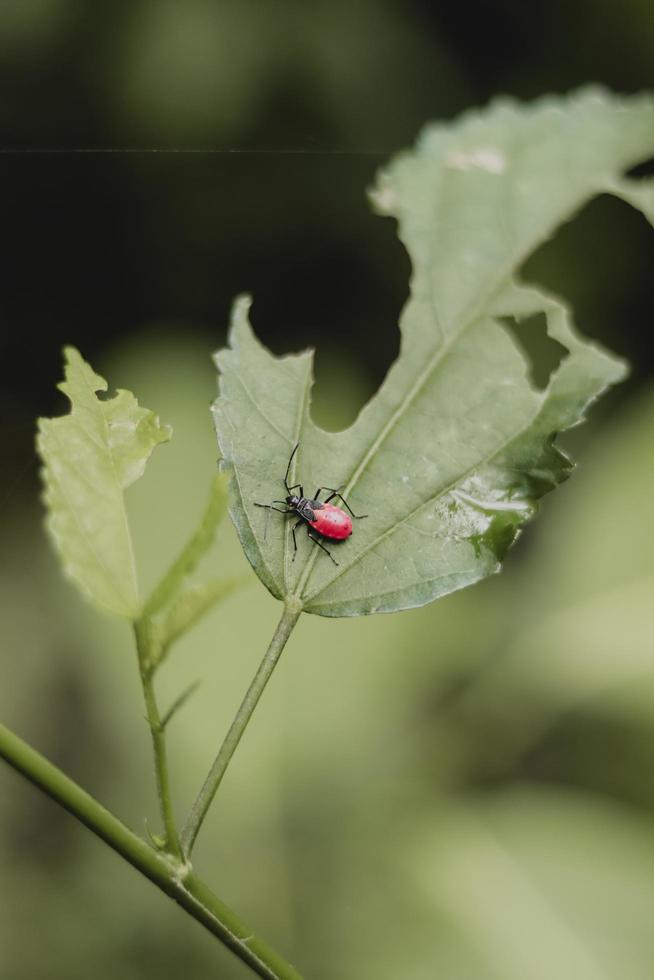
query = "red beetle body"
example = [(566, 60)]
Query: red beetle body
[(332, 522)]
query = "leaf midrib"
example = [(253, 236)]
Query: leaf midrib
[(123, 509), (88, 538)]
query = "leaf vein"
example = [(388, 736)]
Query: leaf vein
[(484, 461), (261, 412)]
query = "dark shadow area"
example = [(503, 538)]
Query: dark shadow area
[(542, 352), (645, 169), (600, 264)]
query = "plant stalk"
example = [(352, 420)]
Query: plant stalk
[(172, 876), (146, 654), (290, 616)]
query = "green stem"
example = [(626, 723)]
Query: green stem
[(147, 658), (292, 610), (170, 875)]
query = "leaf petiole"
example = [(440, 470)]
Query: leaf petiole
[(290, 616)]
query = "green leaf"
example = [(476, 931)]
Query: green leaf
[(450, 457), (190, 607), (196, 547), (89, 457)]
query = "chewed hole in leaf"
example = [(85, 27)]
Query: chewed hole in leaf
[(340, 391), (642, 170), (542, 353), (459, 419), (361, 334)]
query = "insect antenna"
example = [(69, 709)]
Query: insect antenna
[(288, 468)]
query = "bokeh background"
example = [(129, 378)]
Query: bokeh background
[(463, 792)]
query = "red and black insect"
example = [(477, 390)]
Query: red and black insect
[(319, 515)]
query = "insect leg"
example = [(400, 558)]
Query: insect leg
[(321, 545), (334, 493), (270, 507), (293, 530)]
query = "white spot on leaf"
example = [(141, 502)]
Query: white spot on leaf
[(486, 158)]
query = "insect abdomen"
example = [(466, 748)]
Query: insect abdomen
[(332, 522)]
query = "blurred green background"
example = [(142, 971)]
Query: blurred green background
[(464, 792)]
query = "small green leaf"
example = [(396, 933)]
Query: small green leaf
[(189, 607), (452, 454), (196, 547), (89, 457)]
